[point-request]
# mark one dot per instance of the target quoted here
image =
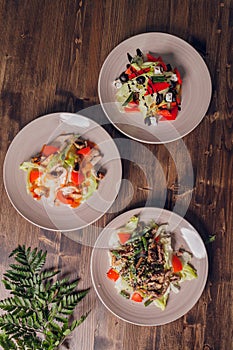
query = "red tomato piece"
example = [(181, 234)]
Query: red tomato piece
[(131, 109), (63, 199), (137, 297), (124, 237), (84, 151), (176, 264), (34, 175), (48, 149), (77, 177), (113, 275)]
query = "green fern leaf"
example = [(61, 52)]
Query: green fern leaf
[(23, 268), (6, 342), (38, 305)]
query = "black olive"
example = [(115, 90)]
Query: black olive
[(139, 52), (80, 143), (159, 98), (124, 77), (169, 67), (147, 121), (76, 167), (129, 57), (172, 84), (141, 79)]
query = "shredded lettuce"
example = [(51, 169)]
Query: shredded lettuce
[(130, 226), (91, 184), (188, 273), (162, 302)]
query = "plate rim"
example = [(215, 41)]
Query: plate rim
[(133, 212), (210, 88), (19, 133)]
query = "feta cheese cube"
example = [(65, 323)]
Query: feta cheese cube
[(158, 70), (174, 77), (168, 97)]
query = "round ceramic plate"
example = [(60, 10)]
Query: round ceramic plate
[(196, 88), (29, 141), (178, 304)]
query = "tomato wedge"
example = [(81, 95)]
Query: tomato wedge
[(176, 264), (63, 199), (34, 175), (137, 297), (132, 109), (84, 151), (113, 275), (48, 149), (124, 237), (77, 177)]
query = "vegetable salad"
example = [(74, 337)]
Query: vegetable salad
[(144, 266), (64, 172), (151, 87)]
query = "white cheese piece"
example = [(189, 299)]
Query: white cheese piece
[(174, 77), (158, 70), (168, 97)]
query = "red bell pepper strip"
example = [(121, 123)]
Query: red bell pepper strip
[(162, 63), (132, 75), (176, 264), (113, 275), (174, 112), (151, 58), (165, 113), (178, 100), (84, 151), (34, 175), (179, 80), (48, 149), (160, 86), (137, 297), (143, 71), (77, 177), (124, 237)]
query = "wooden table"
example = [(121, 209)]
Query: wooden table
[(51, 55)]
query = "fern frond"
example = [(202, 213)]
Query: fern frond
[(6, 342), (17, 267), (37, 315)]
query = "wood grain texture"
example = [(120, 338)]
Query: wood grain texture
[(51, 53)]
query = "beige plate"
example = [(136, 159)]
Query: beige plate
[(196, 88), (178, 304), (29, 141)]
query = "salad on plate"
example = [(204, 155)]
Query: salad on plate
[(143, 264), (64, 172), (149, 86)]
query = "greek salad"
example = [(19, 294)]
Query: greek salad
[(149, 86), (144, 266), (65, 171)]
